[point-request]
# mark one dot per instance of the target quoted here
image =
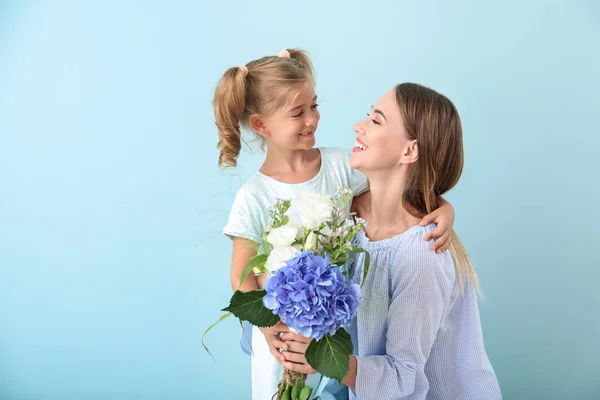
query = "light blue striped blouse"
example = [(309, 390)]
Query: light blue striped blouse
[(416, 335)]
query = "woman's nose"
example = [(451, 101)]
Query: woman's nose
[(358, 128)]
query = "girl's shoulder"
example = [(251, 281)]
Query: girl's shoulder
[(335, 155)]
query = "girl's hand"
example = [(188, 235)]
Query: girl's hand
[(444, 218), (262, 279), (273, 337)]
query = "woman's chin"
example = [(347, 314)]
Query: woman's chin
[(357, 161)]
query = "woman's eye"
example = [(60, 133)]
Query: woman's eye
[(372, 120)]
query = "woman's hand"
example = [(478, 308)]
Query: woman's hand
[(294, 355)]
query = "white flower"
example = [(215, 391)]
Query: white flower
[(313, 209), (359, 220), (283, 236), (279, 256), (311, 242), (300, 234), (257, 271), (300, 229)]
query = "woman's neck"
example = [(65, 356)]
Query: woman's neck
[(387, 216)]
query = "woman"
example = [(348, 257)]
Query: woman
[(417, 334), (275, 97)]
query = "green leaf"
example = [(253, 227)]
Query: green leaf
[(340, 262), (257, 261), (298, 385), (287, 393), (366, 264), (267, 248), (330, 355), (249, 307), (209, 329), (305, 393)]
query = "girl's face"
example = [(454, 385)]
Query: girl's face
[(293, 126)]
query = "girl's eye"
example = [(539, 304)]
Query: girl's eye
[(314, 106)]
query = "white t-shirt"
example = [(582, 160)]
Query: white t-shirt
[(249, 216)]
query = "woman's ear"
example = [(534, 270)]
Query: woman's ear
[(411, 154)]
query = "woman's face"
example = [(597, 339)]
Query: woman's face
[(382, 142)]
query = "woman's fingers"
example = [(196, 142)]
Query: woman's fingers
[(294, 357), (301, 368)]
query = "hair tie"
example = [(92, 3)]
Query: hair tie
[(244, 70), (284, 54)]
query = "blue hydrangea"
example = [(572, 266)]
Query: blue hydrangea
[(311, 296)]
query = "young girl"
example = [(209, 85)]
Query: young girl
[(417, 333), (274, 97)]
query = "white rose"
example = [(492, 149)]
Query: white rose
[(300, 229), (313, 209), (283, 236), (311, 242), (279, 256)]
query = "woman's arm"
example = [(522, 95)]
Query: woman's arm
[(421, 293), (421, 288)]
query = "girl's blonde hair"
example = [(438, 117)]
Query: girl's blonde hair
[(259, 87)]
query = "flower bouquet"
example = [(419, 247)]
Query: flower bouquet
[(308, 287)]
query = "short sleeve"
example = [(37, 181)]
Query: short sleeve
[(244, 220)]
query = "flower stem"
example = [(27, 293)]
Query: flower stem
[(289, 379)]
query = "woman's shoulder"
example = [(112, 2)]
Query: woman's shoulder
[(414, 253)]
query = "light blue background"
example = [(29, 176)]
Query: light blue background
[(111, 259)]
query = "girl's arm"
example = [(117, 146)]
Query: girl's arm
[(444, 218), (243, 251)]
